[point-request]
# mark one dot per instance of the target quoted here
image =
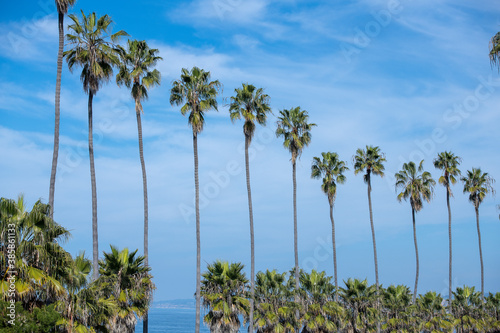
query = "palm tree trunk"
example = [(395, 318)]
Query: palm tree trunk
[(295, 238), (55, 154), (252, 249), (145, 190), (334, 254), (198, 252), (450, 248), (95, 244), (480, 249), (374, 245), (416, 255)]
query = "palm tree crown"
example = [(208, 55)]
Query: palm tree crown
[(332, 169), (293, 126), (251, 104), (199, 94), (448, 162), (495, 50), (92, 50), (135, 70), (478, 184), (370, 159), (416, 184)]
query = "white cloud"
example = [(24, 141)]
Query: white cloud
[(34, 40)]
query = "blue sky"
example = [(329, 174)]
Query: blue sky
[(412, 77)]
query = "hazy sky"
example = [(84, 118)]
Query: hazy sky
[(412, 77)]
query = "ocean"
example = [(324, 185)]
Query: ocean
[(173, 320)]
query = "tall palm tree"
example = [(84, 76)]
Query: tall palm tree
[(253, 105), (416, 185), (370, 159), (293, 126), (199, 95), (94, 50), (448, 162), (495, 50), (62, 9), (224, 292), (332, 169), (478, 184), (136, 73)]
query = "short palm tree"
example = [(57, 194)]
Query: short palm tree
[(73, 306), (360, 300), (478, 184), (321, 314), (396, 300), (416, 185), (371, 160), (224, 293), (136, 73), (495, 50), (466, 304), (39, 257), (252, 105), (274, 306), (199, 95), (62, 9), (125, 279), (448, 162), (92, 48), (295, 129), (332, 169)]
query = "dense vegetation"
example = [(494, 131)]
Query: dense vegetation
[(49, 290), (317, 306)]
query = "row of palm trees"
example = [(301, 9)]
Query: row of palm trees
[(415, 185), (47, 275), (319, 306), (94, 48)]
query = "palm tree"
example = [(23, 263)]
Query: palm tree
[(371, 160), (224, 292), (274, 307), (466, 303), (359, 300), (253, 105), (332, 169), (293, 126), (136, 74), (200, 95), (126, 280), (495, 50), (62, 9), (396, 300), (478, 184), (92, 50), (73, 306), (38, 257), (449, 163), (321, 313), (416, 185)]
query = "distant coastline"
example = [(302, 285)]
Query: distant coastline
[(185, 304)]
